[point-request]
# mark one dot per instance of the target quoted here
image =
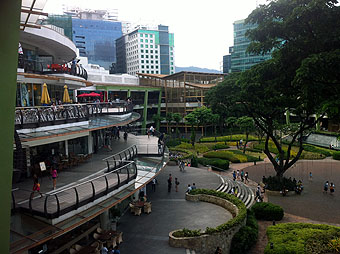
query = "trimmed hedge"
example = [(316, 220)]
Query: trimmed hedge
[(267, 211), (301, 238), (246, 237), (201, 148), (217, 164), (234, 156), (229, 224), (236, 137), (336, 155), (275, 183), (315, 149), (188, 155)]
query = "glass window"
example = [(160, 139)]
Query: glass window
[(151, 72), (146, 56), (172, 63), (151, 61), (142, 50), (146, 51), (151, 46), (151, 66), (151, 56), (142, 66), (141, 45), (156, 47), (151, 51), (141, 35), (142, 56), (171, 53), (171, 58), (157, 71), (141, 40), (146, 40), (156, 51), (146, 45), (172, 68), (147, 66), (147, 61), (146, 35), (151, 41), (142, 61), (147, 71), (156, 57), (156, 62), (142, 71)]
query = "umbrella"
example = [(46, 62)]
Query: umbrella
[(45, 98), (66, 97), (93, 94)]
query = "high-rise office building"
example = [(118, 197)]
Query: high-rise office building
[(146, 51), (226, 64), (240, 59), (95, 40)]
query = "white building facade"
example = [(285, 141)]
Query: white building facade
[(146, 51)]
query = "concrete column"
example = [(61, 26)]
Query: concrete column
[(159, 109), (145, 110), (9, 27), (75, 98), (90, 143), (105, 222), (66, 147)]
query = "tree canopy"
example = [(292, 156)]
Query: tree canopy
[(302, 76)]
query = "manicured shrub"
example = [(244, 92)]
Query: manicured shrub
[(194, 161), (217, 164), (185, 154), (173, 142), (267, 211), (236, 137), (302, 238), (200, 148), (275, 183), (220, 145), (315, 149), (234, 156), (336, 155), (246, 237), (187, 233)]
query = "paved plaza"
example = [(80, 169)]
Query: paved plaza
[(170, 211)]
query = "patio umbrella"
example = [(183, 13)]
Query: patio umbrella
[(66, 97), (93, 94), (45, 98), (83, 95)]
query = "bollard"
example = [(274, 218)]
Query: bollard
[(254, 162)]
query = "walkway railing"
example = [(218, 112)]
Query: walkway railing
[(34, 117), (118, 159), (58, 203)]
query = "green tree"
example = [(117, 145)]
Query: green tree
[(169, 118), (177, 117), (215, 119), (246, 125), (157, 119), (192, 120), (305, 35), (231, 123)]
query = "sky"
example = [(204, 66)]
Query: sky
[(203, 29)]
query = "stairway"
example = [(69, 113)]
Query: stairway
[(245, 193)]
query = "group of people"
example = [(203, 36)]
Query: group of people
[(329, 186), (182, 165), (241, 175), (110, 250), (190, 187), (36, 184)]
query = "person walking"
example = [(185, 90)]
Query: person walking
[(234, 175), (36, 186), (331, 188), (153, 184), (169, 183), (176, 184), (242, 175), (310, 176), (54, 174), (246, 177), (325, 187)]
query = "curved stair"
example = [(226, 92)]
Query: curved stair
[(245, 193)]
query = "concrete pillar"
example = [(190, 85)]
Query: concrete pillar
[(75, 98), (9, 27), (105, 222), (90, 143), (159, 109), (66, 147), (145, 110)]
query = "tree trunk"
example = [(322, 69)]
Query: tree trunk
[(245, 144)]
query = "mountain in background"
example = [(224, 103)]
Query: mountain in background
[(196, 69)]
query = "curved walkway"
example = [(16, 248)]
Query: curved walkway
[(170, 211)]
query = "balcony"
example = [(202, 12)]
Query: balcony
[(35, 117)]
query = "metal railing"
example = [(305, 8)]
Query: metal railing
[(118, 159), (33, 117), (68, 199)]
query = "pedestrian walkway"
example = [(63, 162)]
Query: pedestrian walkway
[(170, 211)]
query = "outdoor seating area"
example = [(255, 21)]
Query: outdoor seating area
[(136, 208)]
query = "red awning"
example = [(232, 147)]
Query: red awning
[(93, 94)]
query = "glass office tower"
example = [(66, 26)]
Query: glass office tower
[(240, 59), (95, 39)]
